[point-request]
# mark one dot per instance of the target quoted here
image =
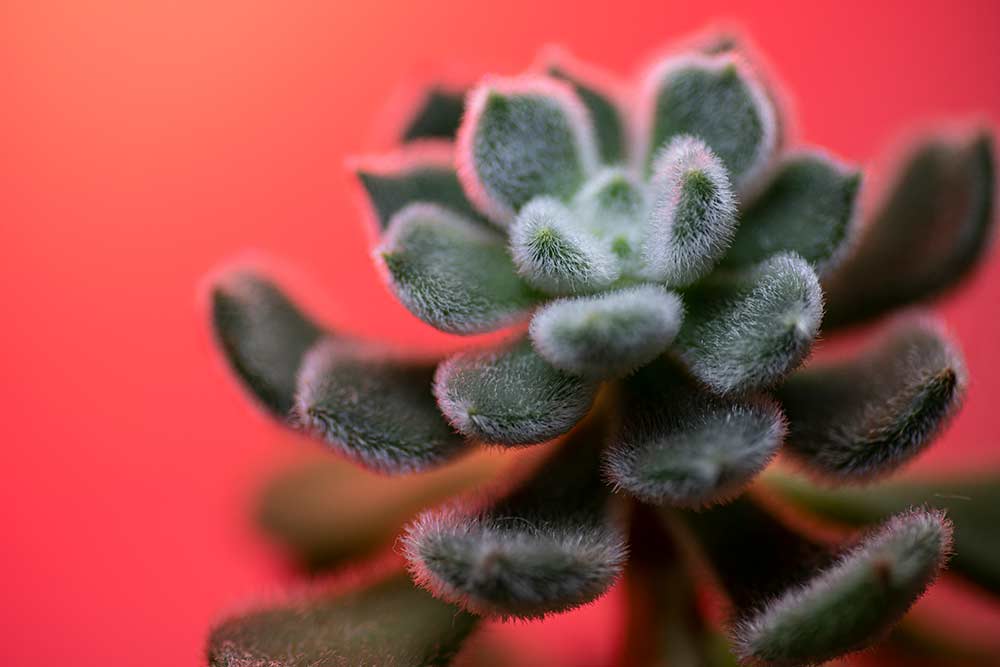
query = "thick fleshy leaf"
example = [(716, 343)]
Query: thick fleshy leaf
[(693, 214), (389, 623), (263, 336), (547, 546), (716, 99), (452, 273), (510, 395), (864, 418), (678, 445), (855, 601), (809, 207), (522, 138), (798, 603), (931, 231), (555, 255), (595, 91), (613, 207), (609, 334), (419, 173), (972, 502), (437, 115), (374, 409), (751, 331), (329, 513)]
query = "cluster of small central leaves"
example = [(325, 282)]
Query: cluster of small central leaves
[(660, 266)]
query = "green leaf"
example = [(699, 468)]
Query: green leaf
[(864, 418), (931, 231), (510, 395), (855, 601), (547, 546), (374, 409), (437, 116), (328, 513), (609, 334), (678, 445), (554, 255), (798, 603), (749, 333), (693, 215), (389, 623), (612, 206), (808, 207), (420, 173), (972, 502), (263, 336), (452, 273), (716, 99), (522, 138), (596, 92)]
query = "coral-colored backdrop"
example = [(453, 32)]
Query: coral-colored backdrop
[(143, 142)]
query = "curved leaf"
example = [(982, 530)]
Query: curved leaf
[(510, 395), (716, 99), (609, 334), (547, 546), (678, 445), (693, 214), (932, 230), (749, 333), (451, 273), (798, 603), (856, 600), (809, 207), (864, 418), (374, 409), (263, 336), (389, 623), (522, 138), (554, 255)]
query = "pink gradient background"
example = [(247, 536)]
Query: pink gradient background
[(143, 143)]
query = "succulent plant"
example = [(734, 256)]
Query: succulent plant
[(663, 266)]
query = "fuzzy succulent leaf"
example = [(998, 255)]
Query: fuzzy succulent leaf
[(853, 602), (931, 231), (389, 623), (692, 217), (808, 207), (609, 334), (520, 139), (750, 332), (718, 100), (864, 418), (554, 255), (374, 409), (510, 395), (972, 503), (419, 174), (452, 273), (437, 116), (547, 546), (326, 513), (679, 445), (798, 603), (263, 336), (609, 124)]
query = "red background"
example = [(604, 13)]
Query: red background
[(142, 143)]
